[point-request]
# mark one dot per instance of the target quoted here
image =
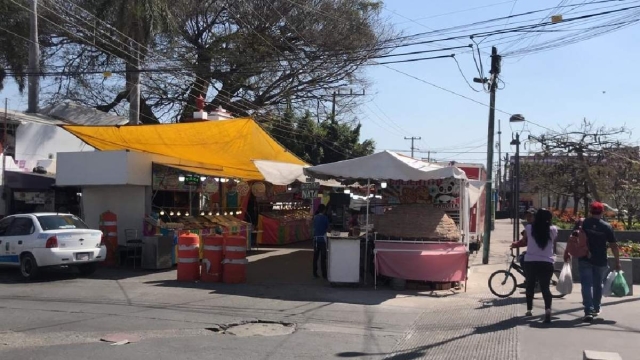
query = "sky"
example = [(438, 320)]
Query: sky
[(593, 79), (553, 89)]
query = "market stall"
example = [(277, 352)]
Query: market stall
[(284, 226), (443, 191), (187, 176)]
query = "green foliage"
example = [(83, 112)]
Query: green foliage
[(14, 48), (319, 143)]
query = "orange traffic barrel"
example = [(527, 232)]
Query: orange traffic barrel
[(188, 257), (235, 247), (212, 258), (234, 271), (109, 227)]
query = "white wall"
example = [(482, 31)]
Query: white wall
[(37, 141), (128, 202), (103, 168), (119, 167)]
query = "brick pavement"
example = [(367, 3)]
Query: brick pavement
[(471, 325), (476, 325)]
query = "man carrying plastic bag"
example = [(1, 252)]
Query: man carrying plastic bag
[(590, 247)]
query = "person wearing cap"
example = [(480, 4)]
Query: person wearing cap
[(593, 267)]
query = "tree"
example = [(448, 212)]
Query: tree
[(623, 172), (15, 51), (328, 141), (251, 57), (558, 175), (587, 147)]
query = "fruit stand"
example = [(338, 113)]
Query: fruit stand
[(284, 226)]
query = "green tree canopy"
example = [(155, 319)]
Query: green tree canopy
[(319, 143)]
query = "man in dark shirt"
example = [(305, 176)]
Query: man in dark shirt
[(594, 266), (320, 228)]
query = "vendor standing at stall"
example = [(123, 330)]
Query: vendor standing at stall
[(320, 228), (354, 224)]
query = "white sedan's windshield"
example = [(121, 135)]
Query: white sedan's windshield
[(61, 222)]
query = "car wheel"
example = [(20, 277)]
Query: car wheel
[(29, 267), (88, 269)]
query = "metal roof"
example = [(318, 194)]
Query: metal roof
[(76, 114), (67, 114)]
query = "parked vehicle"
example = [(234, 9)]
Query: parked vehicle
[(40, 240)]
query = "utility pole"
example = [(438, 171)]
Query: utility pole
[(412, 147), (336, 94), (516, 190), (493, 86), (499, 172), (34, 60), (5, 211), (134, 96)]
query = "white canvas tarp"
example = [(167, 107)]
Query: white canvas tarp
[(280, 173), (475, 190), (384, 165)]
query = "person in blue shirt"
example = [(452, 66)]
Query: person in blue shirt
[(320, 228)]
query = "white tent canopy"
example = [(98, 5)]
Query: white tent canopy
[(384, 165), (281, 173)]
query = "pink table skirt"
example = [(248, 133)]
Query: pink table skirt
[(441, 262)]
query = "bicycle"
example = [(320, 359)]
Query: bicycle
[(506, 279)]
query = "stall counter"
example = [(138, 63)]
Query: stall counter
[(344, 259)]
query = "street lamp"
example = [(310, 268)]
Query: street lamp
[(516, 118)]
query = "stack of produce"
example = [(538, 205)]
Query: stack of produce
[(288, 215), (416, 222)]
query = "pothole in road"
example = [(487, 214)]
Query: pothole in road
[(256, 328)]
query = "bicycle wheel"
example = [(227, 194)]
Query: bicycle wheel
[(502, 280), (554, 283)]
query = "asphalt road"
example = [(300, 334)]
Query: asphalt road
[(64, 316)]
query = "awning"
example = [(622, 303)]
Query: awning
[(29, 180), (476, 188), (225, 148), (279, 173), (384, 165)]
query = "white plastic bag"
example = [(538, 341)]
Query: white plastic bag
[(608, 282), (565, 280)]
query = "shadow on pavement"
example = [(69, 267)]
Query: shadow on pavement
[(420, 352), (568, 324), (487, 303), (11, 275), (286, 274)]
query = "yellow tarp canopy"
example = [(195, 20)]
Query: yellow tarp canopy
[(230, 145)]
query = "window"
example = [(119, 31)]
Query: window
[(4, 225), (21, 226), (61, 222)]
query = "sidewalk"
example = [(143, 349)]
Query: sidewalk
[(477, 325)]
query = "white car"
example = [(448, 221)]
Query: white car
[(34, 241)]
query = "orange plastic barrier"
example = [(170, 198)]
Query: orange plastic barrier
[(188, 257), (212, 258), (109, 228), (235, 247), (234, 271)]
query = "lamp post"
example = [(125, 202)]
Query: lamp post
[(516, 179)]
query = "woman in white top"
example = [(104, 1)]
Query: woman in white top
[(539, 259)]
